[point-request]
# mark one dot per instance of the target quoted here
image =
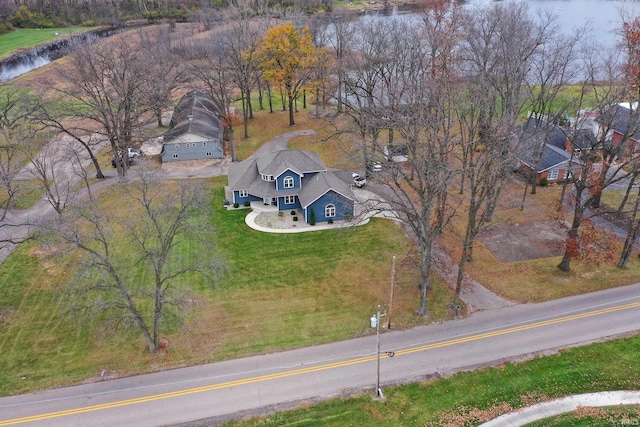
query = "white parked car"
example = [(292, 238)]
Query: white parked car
[(133, 153), (358, 180)]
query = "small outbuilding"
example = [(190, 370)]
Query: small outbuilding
[(195, 131)]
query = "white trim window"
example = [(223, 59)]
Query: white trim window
[(175, 156), (287, 182), (204, 144), (243, 193), (330, 211), (267, 178), (552, 175), (289, 200)]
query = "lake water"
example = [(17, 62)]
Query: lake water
[(602, 16)]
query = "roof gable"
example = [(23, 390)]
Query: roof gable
[(316, 181), (296, 160), (623, 118), (552, 156), (321, 183)]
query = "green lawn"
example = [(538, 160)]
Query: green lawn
[(470, 398), (332, 281), (19, 39)]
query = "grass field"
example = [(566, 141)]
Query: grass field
[(26, 38), (537, 280), (331, 292), (470, 398), (333, 280)]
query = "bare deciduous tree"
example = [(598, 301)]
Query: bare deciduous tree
[(166, 73), (104, 92), (632, 233), (399, 81), (16, 110), (48, 166), (503, 54), (605, 84), (145, 284)]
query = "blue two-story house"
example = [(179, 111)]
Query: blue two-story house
[(292, 179)]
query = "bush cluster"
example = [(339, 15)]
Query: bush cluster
[(25, 18)]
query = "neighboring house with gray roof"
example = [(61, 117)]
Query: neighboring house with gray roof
[(292, 179), (543, 149), (623, 124), (195, 131)]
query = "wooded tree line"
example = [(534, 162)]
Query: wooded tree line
[(452, 86), (54, 13)]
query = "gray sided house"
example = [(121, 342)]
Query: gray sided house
[(292, 179), (195, 131)]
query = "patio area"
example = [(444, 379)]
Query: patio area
[(269, 219)]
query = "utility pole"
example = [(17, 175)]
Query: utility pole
[(393, 277), (375, 323), (378, 391)]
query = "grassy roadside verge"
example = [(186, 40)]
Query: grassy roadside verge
[(470, 398)]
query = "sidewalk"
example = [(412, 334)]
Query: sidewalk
[(564, 405)]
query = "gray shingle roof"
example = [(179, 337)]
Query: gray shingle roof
[(197, 114), (299, 161), (246, 175), (317, 185), (551, 156), (623, 119), (533, 129), (242, 174), (585, 139)]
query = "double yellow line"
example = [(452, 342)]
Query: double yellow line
[(324, 367)]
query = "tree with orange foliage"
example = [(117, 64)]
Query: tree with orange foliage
[(631, 31), (288, 60)]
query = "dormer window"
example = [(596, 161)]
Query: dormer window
[(268, 178), (287, 182)]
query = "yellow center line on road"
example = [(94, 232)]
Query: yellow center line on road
[(517, 329), (318, 368)]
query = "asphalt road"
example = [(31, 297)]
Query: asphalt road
[(220, 391)]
